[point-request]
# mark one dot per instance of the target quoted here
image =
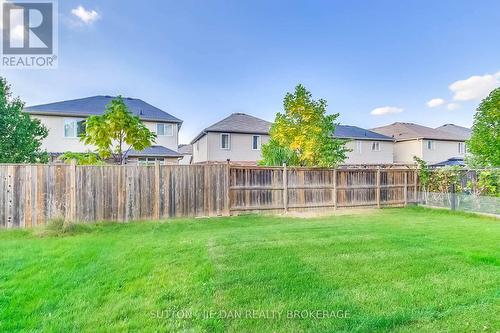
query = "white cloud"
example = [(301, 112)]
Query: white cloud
[(475, 87), (453, 106), (385, 110), (87, 16), (435, 102)]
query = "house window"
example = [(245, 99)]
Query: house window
[(225, 141), (149, 160), (164, 129), (256, 142), (74, 127), (462, 149), (197, 145), (359, 146), (431, 145), (375, 146)]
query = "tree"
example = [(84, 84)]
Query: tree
[(116, 132), (485, 141), (20, 135), (303, 134), (81, 158)]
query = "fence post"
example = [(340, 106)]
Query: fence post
[(378, 187), (285, 188), (453, 197), (228, 186), (405, 192), (72, 196), (415, 184), (157, 196), (335, 188)]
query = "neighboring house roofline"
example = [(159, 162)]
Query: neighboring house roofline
[(402, 131), (96, 105), (84, 115), (238, 123), (350, 132), (154, 151)]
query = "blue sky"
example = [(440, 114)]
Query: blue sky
[(202, 60)]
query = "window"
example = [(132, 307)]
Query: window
[(375, 146), (430, 145), (225, 141), (197, 145), (164, 129), (359, 146), (256, 142), (149, 160), (462, 149), (74, 127)]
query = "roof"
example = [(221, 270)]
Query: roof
[(154, 151), (185, 149), (450, 162), (237, 123), (96, 105), (411, 131), (354, 132), (460, 131)]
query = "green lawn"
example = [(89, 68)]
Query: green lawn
[(401, 270)]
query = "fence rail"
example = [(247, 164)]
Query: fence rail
[(31, 195)]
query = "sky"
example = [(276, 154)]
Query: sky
[(375, 62)]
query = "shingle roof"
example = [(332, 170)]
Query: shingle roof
[(450, 162), (237, 123), (154, 151), (354, 132), (186, 149), (96, 105), (460, 131), (410, 131)]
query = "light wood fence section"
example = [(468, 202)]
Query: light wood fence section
[(257, 189), (31, 195)]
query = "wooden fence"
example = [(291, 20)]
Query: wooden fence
[(257, 189), (31, 195)]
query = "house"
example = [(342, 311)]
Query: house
[(187, 152), (366, 147), (238, 138), (66, 121), (429, 144)]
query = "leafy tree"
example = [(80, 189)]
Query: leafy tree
[(20, 135), (303, 134), (275, 154), (485, 141), (82, 158), (116, 132)]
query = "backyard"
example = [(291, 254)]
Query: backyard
[(401, 270)]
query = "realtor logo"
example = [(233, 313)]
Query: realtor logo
[(29, 34)]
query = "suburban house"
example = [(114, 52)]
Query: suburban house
[(237, 138), (187, 154), (66, 121), (366, 147), (431, 145)]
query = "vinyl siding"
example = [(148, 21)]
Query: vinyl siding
[(57, 143), (367, 156)]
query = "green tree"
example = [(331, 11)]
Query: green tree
[(116, 132), (20, 135), (303, 134), (81, 158), (485, 141)]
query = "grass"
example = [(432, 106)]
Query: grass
[(401, 270)]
